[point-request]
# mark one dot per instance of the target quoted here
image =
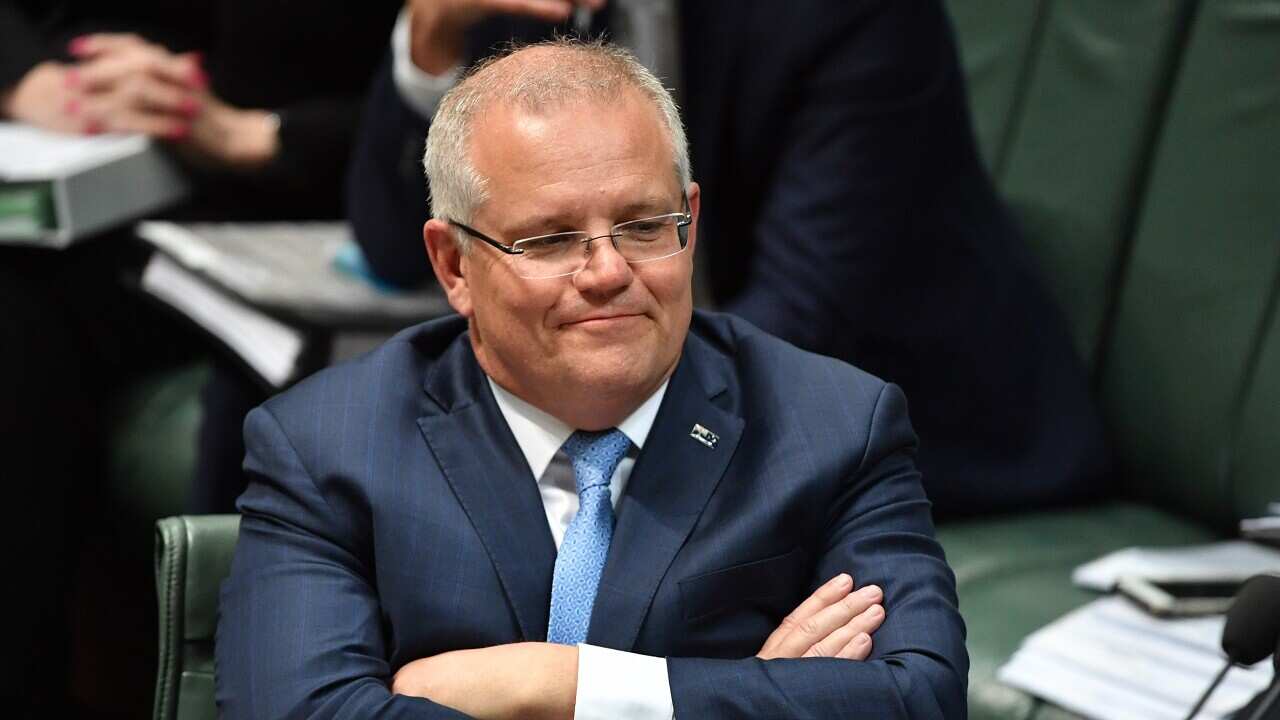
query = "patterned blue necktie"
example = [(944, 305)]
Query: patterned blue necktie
[(595, 455)]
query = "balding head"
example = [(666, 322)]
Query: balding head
[(535, 78)]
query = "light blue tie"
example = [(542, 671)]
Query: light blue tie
[(594, 455)]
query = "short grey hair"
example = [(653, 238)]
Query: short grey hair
[(571, 69)]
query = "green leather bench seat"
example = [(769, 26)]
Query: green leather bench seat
[(1014, 576)]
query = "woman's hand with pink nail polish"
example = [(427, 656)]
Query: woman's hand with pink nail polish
[(46, 96)]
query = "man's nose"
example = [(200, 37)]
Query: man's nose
[(606, 270)]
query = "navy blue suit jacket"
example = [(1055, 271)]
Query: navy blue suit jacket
[(391, 516), (844, 209)]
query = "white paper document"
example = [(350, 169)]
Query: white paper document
[(288, 269), (1111, 660), (1231, 560), (267, 345)]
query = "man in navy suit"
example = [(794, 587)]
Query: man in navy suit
[(847, 212), (580, 498)]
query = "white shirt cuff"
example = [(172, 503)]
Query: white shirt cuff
[(617, 685), (418, 88)]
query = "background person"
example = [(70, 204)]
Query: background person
[(847, 212), (260, 106)]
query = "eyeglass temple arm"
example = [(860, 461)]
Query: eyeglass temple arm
[(481, 236)]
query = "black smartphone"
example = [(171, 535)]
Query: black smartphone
[(1180, 598)]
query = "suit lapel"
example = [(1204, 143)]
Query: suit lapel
[(672, 481), (491, 479)]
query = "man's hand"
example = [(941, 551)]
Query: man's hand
[(437, 27), (520, 680), (540, 680), (832, 622)]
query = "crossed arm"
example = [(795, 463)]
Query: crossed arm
[(301, 631), (539, 680)]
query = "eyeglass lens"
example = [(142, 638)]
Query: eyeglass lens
[(567, 253)]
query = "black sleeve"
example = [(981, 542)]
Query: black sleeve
[(22, 45), (386, 188)]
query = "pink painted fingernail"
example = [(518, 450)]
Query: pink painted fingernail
[(200, 78), (94, 127), (78, 45), (178, 133), (189, 106), (71, 106)]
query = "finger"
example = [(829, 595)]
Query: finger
[(111, 117), (830, 592), (864, 623), (547, 10), (827, 620), (87, 46), (162, 97), (106, 71), (833, 643), (859, 648), (186, 70), (869, 620)]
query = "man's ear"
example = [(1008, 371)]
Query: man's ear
[(449, 263), (695, 204)]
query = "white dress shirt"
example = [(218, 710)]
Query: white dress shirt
[(611, 684)]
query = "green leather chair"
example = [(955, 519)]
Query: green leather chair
[(193, 555)]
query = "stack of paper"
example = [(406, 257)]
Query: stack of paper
[(1232, 560), (269, 347), (1265, 528), (270, 292), (288, 269), (1112, 661)]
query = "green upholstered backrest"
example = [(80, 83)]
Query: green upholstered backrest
[(1255, 471), (1073, 168), (153, 442), (1138, 145), (193, 555), (1200, 279), (994, 39)]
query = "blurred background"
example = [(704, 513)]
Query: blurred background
[(1053, 222)]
